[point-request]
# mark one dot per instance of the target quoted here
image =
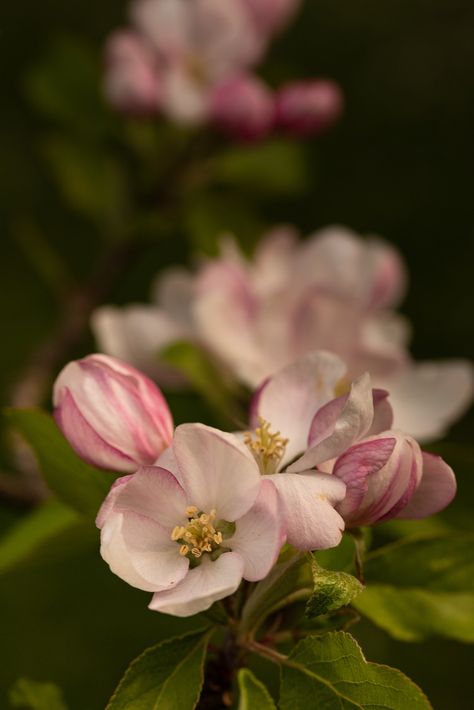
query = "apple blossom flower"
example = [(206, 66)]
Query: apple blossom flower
[(113, 416), (132, 82), (335, 291), (309, 107), (192, 527), (199, 44), (271, 15), (385, 472), (243, 107)]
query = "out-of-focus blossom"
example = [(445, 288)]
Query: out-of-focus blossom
[(243, 107), (198, 45), (132, 81), (334, 291), (385, 472), (112, 415), (191, 530), (308, 107), (193, 60), (271, 16)]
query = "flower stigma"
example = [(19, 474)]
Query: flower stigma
[(203, 534), (268, 448)]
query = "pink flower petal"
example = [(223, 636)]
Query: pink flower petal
[(86, 441), (201, 587), (355, 467), (352, 424), (307, 501), (259, 534), (289, 399), (155, 493), (436, 490), (139, 551), (216, 470)]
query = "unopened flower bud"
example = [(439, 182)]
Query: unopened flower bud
[(243, 108), (132, 83), (113, 416), (308, 107), (388, 476)]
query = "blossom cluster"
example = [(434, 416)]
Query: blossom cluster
[(200, 509), (193, 61), (335, 291)]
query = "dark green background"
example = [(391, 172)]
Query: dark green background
[(399, 164)]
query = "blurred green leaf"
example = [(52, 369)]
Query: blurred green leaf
[(208, 216), (332, 590), (34, 530), (290, 580), (330, 671), (79, 485), (272, 167), (30, 694), (167, 676), (91, 181), (418, 588), (252, 693), (205, 377), (65, 86)]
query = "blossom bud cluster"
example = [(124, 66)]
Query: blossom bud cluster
[(193, 62), (201, 509)]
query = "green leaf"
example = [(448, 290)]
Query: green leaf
[(289, 581), (77, 484), (204, 376), (253, 694), (330, 671), (33, 531), (332, 590), (90, 180), (30, 694), (422, 587), (275, 167), (165, 677), (64, 86)]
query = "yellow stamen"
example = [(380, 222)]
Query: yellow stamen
[(267, 447), (199, 535)]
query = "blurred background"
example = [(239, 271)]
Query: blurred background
[(74, 186)]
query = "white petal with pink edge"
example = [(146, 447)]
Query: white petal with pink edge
[(216, 470), (289, 399), (260, 533), (307, 501), (201, 587), (351, 425)]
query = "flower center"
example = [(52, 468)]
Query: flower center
[(267, 447), (203, 533)]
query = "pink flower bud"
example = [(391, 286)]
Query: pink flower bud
[(388, 476), (132, 83), (308, 107), (270, 16), (112, 415), (243, 107)]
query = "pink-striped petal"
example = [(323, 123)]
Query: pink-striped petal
[(435, 491), (340, 430)]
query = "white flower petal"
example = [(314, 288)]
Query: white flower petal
[(260, 533), (216, 470), (201, 587)]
